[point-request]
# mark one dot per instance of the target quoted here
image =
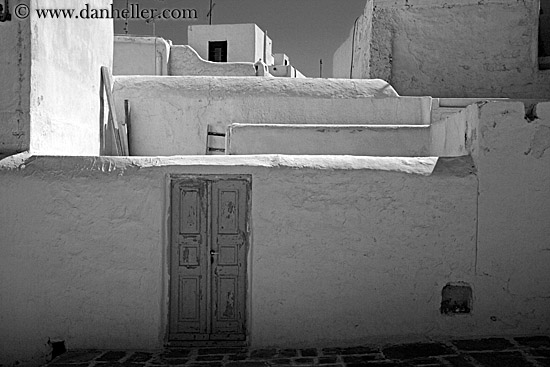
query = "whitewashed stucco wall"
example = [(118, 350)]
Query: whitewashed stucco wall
[(513, 159), (333, 239), (140, 55), (455, 49), (352, 58), (67, 55), (170, 115), (186, 61), (15, 73), (245, 42)]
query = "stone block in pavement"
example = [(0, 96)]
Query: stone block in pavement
[(247, 364), (483, 344), (228, 350), (263, 353), (139, 357), (359, 359), (175, 353), (458, 361), (327, 360), (350, 350), (77, 356), (304, 360), (112, 356), (501, 359), (209, 358), (534, 341), (287, 353), (416, 350), (310, 352), (160, 361)]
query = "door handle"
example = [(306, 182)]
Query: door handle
[(212, 253)]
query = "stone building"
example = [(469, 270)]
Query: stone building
[(338, 212)]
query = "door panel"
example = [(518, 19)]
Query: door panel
[(208, 259), (188, 303), (229, 205)]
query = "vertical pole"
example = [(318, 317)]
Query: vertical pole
[(320, 68), (210, 14)]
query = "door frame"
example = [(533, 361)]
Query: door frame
[(167, 241)]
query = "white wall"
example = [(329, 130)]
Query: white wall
[(170, 115), (243, 40), (85, 252), (185, 61), (344, 249), (513, 160), (67, 55), (140, 56), (15, 73), (454, 49), (352, 58), (309, 139)]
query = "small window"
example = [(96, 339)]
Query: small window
[(217, 51)]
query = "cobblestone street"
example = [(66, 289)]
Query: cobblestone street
[(491, 352)]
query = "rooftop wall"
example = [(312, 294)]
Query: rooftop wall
[(171, 115), (453, 49), (245, 42), (140, 55), (186, 61)]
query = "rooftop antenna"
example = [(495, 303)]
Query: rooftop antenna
[(126, 20), (209, 15)]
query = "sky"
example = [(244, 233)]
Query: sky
[(306, 30)]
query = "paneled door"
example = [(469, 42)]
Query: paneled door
[(208, 251)]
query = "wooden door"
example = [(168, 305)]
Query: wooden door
[(209, 242)]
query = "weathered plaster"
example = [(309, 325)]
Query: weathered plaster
[(245, 42), (140, 55), (85, 253), (170, 115), (513, 159), (456, 49), (186, 61), (363, 140), (352, 58), (15, 73), (65, 75)]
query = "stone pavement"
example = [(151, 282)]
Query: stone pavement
[(491, 352)]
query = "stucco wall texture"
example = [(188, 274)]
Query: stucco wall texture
[(140, 55), (171, 115), (451, 49), (15, 73), (186, 61), (343, 248), (51, 68)]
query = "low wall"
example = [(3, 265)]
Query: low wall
[(186, 61), (140, 55), (363, 140), (171, 115)]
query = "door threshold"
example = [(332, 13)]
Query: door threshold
[(206, 343)]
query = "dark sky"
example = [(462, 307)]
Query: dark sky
[(305, 30)]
